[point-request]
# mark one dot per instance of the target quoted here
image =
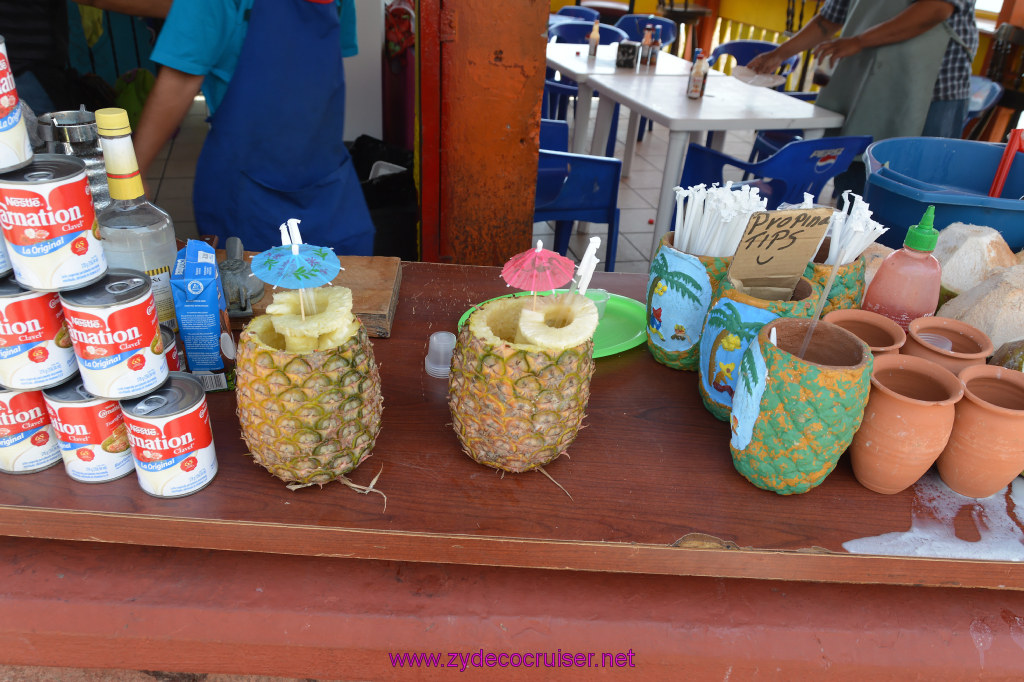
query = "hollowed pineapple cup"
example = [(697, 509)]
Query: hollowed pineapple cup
[(308, 418), (516, 406)]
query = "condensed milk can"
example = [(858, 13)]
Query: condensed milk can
[(117, 339), (171, 438), (91, 431), (15, 147)]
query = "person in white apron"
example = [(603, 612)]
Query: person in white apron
[(889, 56)]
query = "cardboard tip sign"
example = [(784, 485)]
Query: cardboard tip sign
[(775, 249)]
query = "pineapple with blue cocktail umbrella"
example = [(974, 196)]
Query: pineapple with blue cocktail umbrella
[(309, 397)]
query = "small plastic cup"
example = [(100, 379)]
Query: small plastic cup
[(439, 354), (600, 299)]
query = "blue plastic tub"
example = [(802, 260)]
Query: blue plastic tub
[(906, 174)]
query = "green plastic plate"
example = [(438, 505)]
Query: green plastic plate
[(623, 326)]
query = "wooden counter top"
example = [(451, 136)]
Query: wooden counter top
[(651, 468)]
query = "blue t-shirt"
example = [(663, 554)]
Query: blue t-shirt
[(204, 38)]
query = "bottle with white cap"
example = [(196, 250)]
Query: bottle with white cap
[(594, 38), (136, 234)]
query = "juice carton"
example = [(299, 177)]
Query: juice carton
[(200, 307)]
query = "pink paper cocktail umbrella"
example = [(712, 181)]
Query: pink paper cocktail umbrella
[(538, 270)]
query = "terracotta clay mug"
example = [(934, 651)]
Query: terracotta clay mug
[(906, 424), (986, 449), (881, 334), (947, 342)]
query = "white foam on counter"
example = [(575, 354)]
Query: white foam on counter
[(981, 633), (932, 532)]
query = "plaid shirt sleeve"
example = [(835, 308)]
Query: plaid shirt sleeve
[(835, 11), (954, 79)]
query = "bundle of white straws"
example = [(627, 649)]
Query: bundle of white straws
[(710, 220), (851, 230)]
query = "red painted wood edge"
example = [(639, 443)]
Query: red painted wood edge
[(91, 605)]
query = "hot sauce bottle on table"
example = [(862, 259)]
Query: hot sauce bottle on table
[(698, 76), (594, 38), (645, 44), (136, 234), (907, 283)]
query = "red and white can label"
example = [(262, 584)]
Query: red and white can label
[(15, 147), (93, 439), (174, 456), (48, 227), (27, 443), (171, 350), (119, 349), (35, 347)]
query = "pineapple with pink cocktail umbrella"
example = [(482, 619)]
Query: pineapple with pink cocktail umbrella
[(520, 374)]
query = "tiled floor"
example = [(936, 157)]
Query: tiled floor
[(170, 185)]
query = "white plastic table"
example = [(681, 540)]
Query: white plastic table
[(728, 104), (572, 61)]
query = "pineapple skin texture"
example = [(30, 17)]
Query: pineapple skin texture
[(308, 418), (515, 409)]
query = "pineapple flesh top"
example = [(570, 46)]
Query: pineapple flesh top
[(309, 397), (520, 379)]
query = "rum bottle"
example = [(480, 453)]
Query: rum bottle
[(136, 235)]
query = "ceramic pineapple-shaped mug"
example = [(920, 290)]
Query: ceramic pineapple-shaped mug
[(795, 413), (679, 292), (732, 323)]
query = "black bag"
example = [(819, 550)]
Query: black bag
[(391, 197)]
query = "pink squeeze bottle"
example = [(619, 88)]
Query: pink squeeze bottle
[(907, 283)]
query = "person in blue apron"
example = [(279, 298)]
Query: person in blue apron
[(273, 76), (903, 69)]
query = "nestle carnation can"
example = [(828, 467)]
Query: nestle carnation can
[(116, 335), (91, 432), (170, 349), (27, 442), (169, 430), (15, 147), (49, 224), (35, 347)]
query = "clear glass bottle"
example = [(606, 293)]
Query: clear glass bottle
[(908, 281), (136, 234), (594, 38)]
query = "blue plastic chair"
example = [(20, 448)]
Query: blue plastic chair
[(745, 50), (573, 187), (768, 142), (554, 135), (799, 167), (984, 95), (579, 32), (634, 24), (555, 102), (584, 13)]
